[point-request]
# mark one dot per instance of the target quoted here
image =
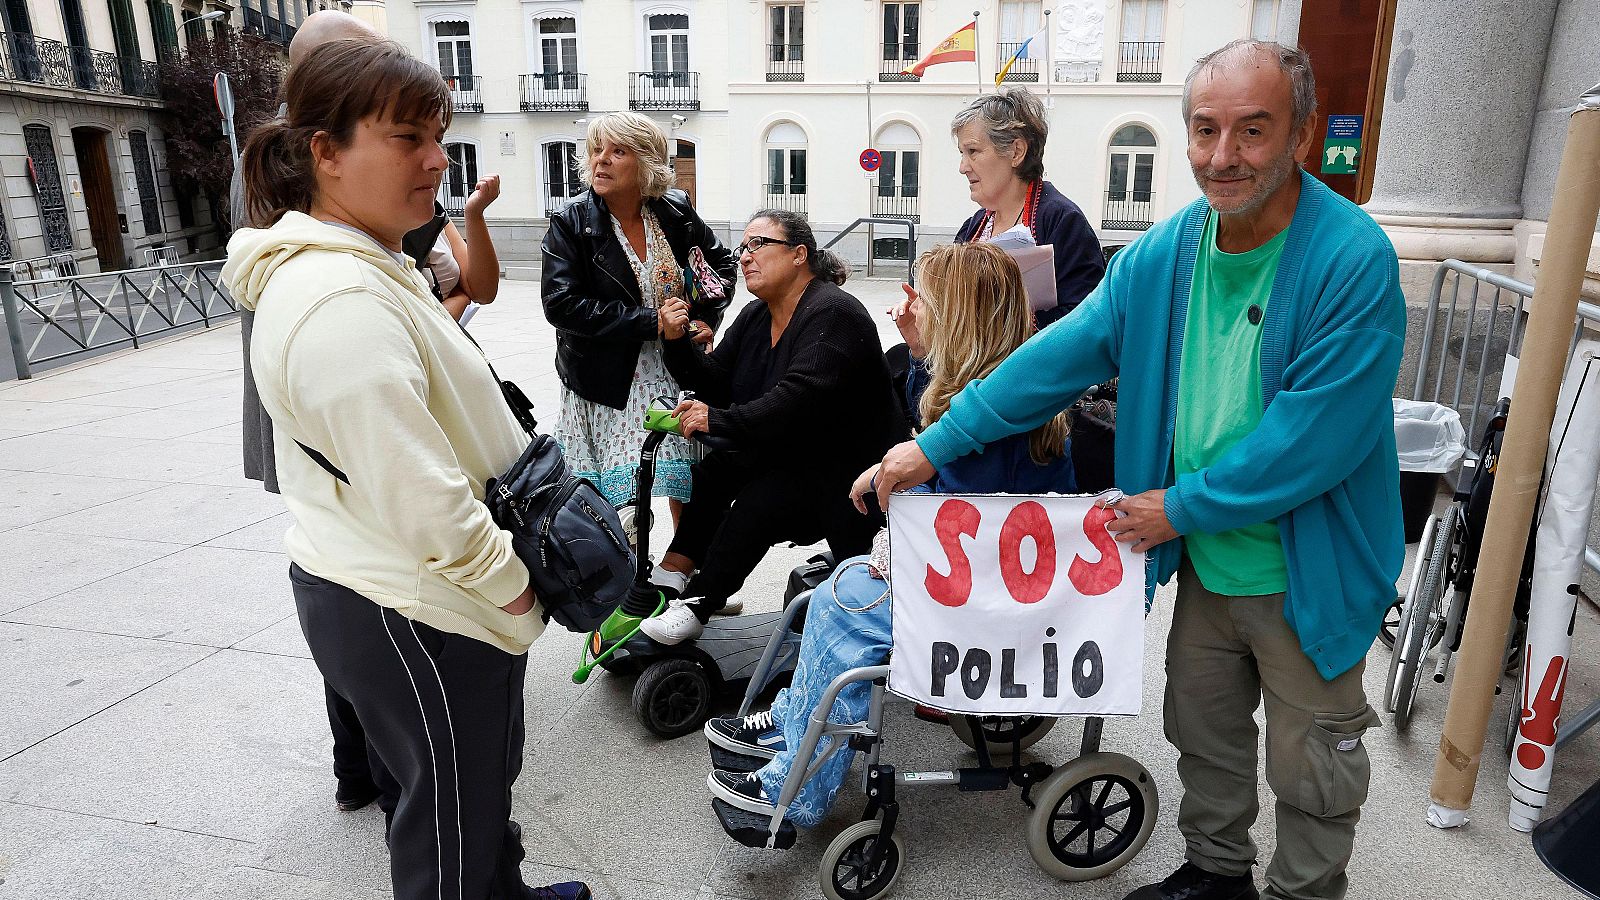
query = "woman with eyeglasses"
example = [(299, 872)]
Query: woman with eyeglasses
[(799, 386)]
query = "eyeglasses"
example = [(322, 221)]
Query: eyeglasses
[(756, 243)]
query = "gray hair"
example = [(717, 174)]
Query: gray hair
[(1008, 116), (643, 137), (1293, 62)]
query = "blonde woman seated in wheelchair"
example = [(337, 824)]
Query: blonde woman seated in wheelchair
[(970, 313)]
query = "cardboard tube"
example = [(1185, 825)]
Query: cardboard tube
[(1516, 488)]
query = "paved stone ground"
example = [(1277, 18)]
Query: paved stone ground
[(163, 732)]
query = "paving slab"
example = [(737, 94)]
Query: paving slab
[(171, 461), (29, 497), (52, 678), (226, 747), (45, 415), (47, 854), (174, 421), (181, 513), (281, 638), (265, 535), (211, 596), (40, 565), (188, 387), (40, 450), (247, 883)]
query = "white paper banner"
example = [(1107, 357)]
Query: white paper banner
[(1011, 605)]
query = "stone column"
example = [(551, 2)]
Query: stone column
[(1464, 80)]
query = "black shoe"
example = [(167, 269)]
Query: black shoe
[(752, 735), (566, 890), (1191, 882), (355, 795)]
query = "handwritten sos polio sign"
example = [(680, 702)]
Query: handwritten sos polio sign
[(1007, 605)]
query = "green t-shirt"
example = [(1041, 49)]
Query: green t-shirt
[(1219, 403)]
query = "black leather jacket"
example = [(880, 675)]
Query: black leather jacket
[(592, 297)]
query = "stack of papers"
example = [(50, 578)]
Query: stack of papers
[(1038, 265)]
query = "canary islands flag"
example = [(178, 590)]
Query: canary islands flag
[(1022, 53), (959, 47)]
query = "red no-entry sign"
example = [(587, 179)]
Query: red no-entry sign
[(871, 160)]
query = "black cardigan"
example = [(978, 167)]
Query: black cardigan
[(821, 398), (1080, 263), (592, 297)]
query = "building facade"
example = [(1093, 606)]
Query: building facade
[(772, 102)]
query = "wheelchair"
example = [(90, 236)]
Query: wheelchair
[(1088, 818), (1425, 620)]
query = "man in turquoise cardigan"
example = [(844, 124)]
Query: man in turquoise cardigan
[(1257, 336)]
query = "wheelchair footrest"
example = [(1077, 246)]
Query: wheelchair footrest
[(990, 779), (750, 829), (729, 761)]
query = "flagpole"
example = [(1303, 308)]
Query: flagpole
[(977, 51), (1049, 74)]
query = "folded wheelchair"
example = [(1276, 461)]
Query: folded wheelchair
[(1088, 818)]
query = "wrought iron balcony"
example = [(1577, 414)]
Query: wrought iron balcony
[(1127, 211), (1022, 69), (897, 201), (1139, 61), (786, 62), (791, 197), (555, 92), (895, 58), (252, 22), (466, 92), (26, 57), (664, 90)]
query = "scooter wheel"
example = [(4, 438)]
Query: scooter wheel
[(673, 697), (1000, 732), (845, 872)]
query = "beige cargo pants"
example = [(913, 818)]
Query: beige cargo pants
[(1224, 654)]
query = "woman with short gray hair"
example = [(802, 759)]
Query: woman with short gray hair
[(612, 259)]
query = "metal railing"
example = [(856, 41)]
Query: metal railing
[(894, 60), (51, 266), (1139, 61), (555, 91), (50, 319), (909, 225), (791, 197), (27, 57), (1127, 211), (786, 62), (1465, 343), (556, 200), (664, 90), (1022, 69), (896, 202), (466, 92), (454, 206), (252, 21)]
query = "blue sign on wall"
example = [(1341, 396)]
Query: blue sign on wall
[(1345, 127)]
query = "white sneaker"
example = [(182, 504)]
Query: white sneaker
[(730, 607), (669, 579), (676, 624)]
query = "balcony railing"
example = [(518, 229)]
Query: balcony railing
[(1022, 69), (555, 200), (455, 206), (466, 92), (1139, 61), (1127, 211), (897, 201), (555, 91), (791, 197), (895, 59), (25, 57), (786, 62), (664, 90), (252, 22)]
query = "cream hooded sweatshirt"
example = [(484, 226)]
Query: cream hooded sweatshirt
[(355, 358)]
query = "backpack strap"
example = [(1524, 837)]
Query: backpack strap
[(322, 461)]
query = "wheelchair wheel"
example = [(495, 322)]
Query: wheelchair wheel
[(999, 732), (1422, 620), (1391, 622), (844, 872), (673, 697), (1092, 816), (1513, 714)]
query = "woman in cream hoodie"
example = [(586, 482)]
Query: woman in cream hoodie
[(414, 605)]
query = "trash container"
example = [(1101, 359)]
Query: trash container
[(1431, 442)]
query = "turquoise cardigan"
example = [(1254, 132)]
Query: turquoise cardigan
[(1322, 462)]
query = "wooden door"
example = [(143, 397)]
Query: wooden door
[(99, 194), (683, 170)]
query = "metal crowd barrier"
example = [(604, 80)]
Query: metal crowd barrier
[(55, 318)]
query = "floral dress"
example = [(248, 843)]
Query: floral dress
[(602, 444)]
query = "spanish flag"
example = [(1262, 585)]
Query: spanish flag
[(1022, 53), (959, 47)]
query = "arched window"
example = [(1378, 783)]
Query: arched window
[(901, 171), (561, 182), (786, 167), (1129, 179), (460, 179), (452, 46)]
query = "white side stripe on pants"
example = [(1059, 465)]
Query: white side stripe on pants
[(455, 760), (432, 759)]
